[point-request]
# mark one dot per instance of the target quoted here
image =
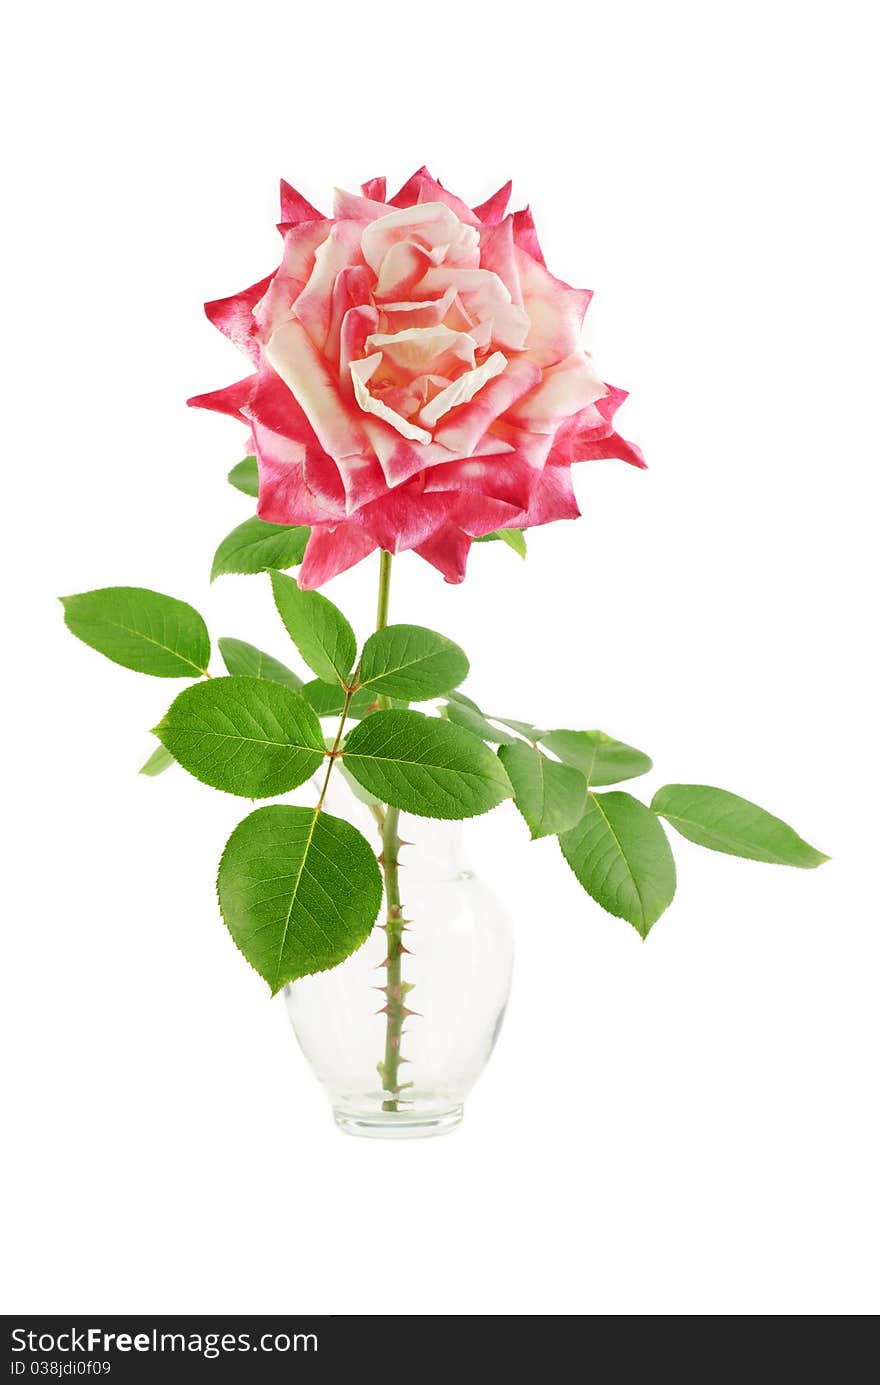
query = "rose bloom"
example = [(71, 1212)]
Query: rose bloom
[(418, 379)]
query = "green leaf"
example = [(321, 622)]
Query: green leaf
[(620, 855), (245, 736), (523, 728), (601, 758), (550, 796), (141, 629), (412, 662), (246, 660), (319, 630), (458, 696), (472, 719), (245, 477), (160, 760), (328, 699), (255, 546), (725, 822), (514, 538), (425, 765), (299, 891)]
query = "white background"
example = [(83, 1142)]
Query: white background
[(683, 1127)]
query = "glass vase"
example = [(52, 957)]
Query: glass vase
[(454, 979)]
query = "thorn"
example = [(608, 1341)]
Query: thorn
[(383, 1011), (381, 858), (401, 841), (401, 948), (403, 1060), (406, 1013)]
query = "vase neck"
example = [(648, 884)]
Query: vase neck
[(434, 848)]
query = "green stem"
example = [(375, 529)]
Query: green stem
[(395, 1009), (333, 754), (384, 589)]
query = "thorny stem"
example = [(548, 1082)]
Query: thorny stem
[(395, 989), (395, 1010)]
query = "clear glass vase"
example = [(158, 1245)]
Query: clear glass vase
[(455, 976)]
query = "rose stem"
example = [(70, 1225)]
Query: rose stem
[(395, 1010)]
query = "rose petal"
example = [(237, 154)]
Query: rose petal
[(408, 195), (357, 325), (363, 209), (343, 487), (552, 499), (447, 550), (337, 252), (374, 188), (406, 400), (556, 312), (301, 244), (230, 400), (485, 298), (399, 458), (590, 435), (284, 496), (276, 305), (430, 312), (351, 290), (466, 425), (295, 207), (405, 517), (361, 372), (564, 390), (332, 549), (613, 446), (493, 209), (234, 317), (402, 266), (272, 405), (422, 187), (497, 253), (463, 389), (477, 515), (322, 477), (432, 191), (292, 354), (525, 235), (534, 448), (363, 481), (416, 350), (431, 223), (507, 479)]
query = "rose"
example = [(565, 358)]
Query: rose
[(418, 377)]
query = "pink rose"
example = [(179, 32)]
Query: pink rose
[(418, 378)]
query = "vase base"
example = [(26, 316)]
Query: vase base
[(398, 1125)]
